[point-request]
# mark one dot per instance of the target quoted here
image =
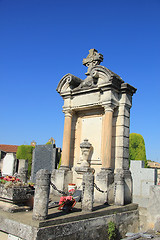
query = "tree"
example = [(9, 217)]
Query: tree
[(137, 149), (25, 152)]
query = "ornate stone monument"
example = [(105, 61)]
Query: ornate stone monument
[(97, 109)]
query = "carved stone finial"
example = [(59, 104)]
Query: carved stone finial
[(94, 58), (85, 148)]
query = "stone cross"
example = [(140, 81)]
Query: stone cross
[(94, 58)]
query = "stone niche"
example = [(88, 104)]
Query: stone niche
[(97, 110)]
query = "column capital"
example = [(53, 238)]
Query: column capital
[(108, 107), (68, 112)]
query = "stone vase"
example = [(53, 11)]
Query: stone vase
[(85, 148)]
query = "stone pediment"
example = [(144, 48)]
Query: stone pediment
[(97, 77)]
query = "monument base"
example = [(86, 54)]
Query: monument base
[(61, 178), (104, 181)]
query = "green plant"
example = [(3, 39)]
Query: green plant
[(111, 231), (59, 164), (137, 149), (25, 152)]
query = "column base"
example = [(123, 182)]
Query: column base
[(119, 187), (127, 182), (104, 181), (61, 178), (64, 168), (84, 169)]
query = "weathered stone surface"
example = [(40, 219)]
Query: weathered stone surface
[(92, 225), (23, 174), (119, 188), (44, 157), (87, 191), (104, 180), (41, 197), (14, 194), (61, 178), (154, 208), (143, 178)]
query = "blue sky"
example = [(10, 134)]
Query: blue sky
[(42, 40)]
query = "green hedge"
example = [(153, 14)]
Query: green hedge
[(25, 152), (137, 149)]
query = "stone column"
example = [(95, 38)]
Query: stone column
[(41, 198), (107, 138), (105, 177), (87, 192), (66, 140)]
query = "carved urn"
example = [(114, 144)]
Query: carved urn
[(85, 148)]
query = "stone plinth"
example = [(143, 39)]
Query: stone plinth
[(14, 194), (61, 178), (119, 188), (104, 181)]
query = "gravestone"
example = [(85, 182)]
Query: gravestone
[(143, 179), (9, 164), (44, 157)]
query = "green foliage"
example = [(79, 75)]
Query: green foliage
[(48, 143), (25, 152), (137, 149), (59, 164), (111, 231)]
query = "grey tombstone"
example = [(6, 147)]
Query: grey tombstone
[(44, 157)]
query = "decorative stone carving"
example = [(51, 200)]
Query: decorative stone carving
[(85, 148), (94, 58)]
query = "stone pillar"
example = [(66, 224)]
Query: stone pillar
[(107, 138), (23, 174), (105, 177), (66, 140), (87, 192), (41, 198), (119, 188)]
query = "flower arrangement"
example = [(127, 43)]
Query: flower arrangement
[(10, 181), (66, 203)]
